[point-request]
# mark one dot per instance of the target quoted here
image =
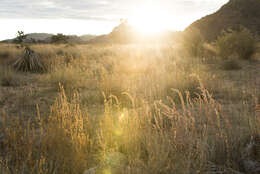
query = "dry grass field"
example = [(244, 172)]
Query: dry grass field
[(140, 109)]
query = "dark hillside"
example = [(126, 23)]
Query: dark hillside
[(234, 14)]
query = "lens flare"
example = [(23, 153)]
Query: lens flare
[(118, 132), (122, 116), (107, 171)]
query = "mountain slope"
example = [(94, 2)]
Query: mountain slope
[(38, 36), (234, 14), (32, 37), (87, 37)]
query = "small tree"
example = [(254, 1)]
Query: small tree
[(20, 37), (241, 43), (123, 33)]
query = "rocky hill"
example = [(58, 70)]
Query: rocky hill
[(234, 14)]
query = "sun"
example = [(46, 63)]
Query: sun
[(150, 19)]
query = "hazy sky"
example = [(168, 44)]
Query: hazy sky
[(98, 16)]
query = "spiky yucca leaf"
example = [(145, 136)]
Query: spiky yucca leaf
[(29, 62)]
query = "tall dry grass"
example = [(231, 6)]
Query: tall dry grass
[(138, 102), (158, 138)]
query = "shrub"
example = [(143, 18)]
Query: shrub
[(241, 43)]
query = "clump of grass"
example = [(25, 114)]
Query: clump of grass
[(29, 62)]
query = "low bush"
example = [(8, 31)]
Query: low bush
[(241, 43)]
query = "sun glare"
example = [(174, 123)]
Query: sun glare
[(151, 18)]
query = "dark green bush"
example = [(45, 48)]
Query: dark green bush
[(241, 43)]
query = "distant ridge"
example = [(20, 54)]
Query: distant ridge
[(38, 36), (234, 14), (33, 37), (46, 38)]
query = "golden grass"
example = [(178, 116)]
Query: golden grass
[(155, 139), (8, 77), (9, 53), (159, 110)]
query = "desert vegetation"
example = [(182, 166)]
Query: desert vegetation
[(131, 108), (241, 44)]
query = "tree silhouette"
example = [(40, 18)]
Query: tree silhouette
[(20, 37), (123, 33)]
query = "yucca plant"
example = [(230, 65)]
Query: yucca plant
[(29, 62)]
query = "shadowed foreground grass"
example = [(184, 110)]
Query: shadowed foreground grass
[(154, 139)]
